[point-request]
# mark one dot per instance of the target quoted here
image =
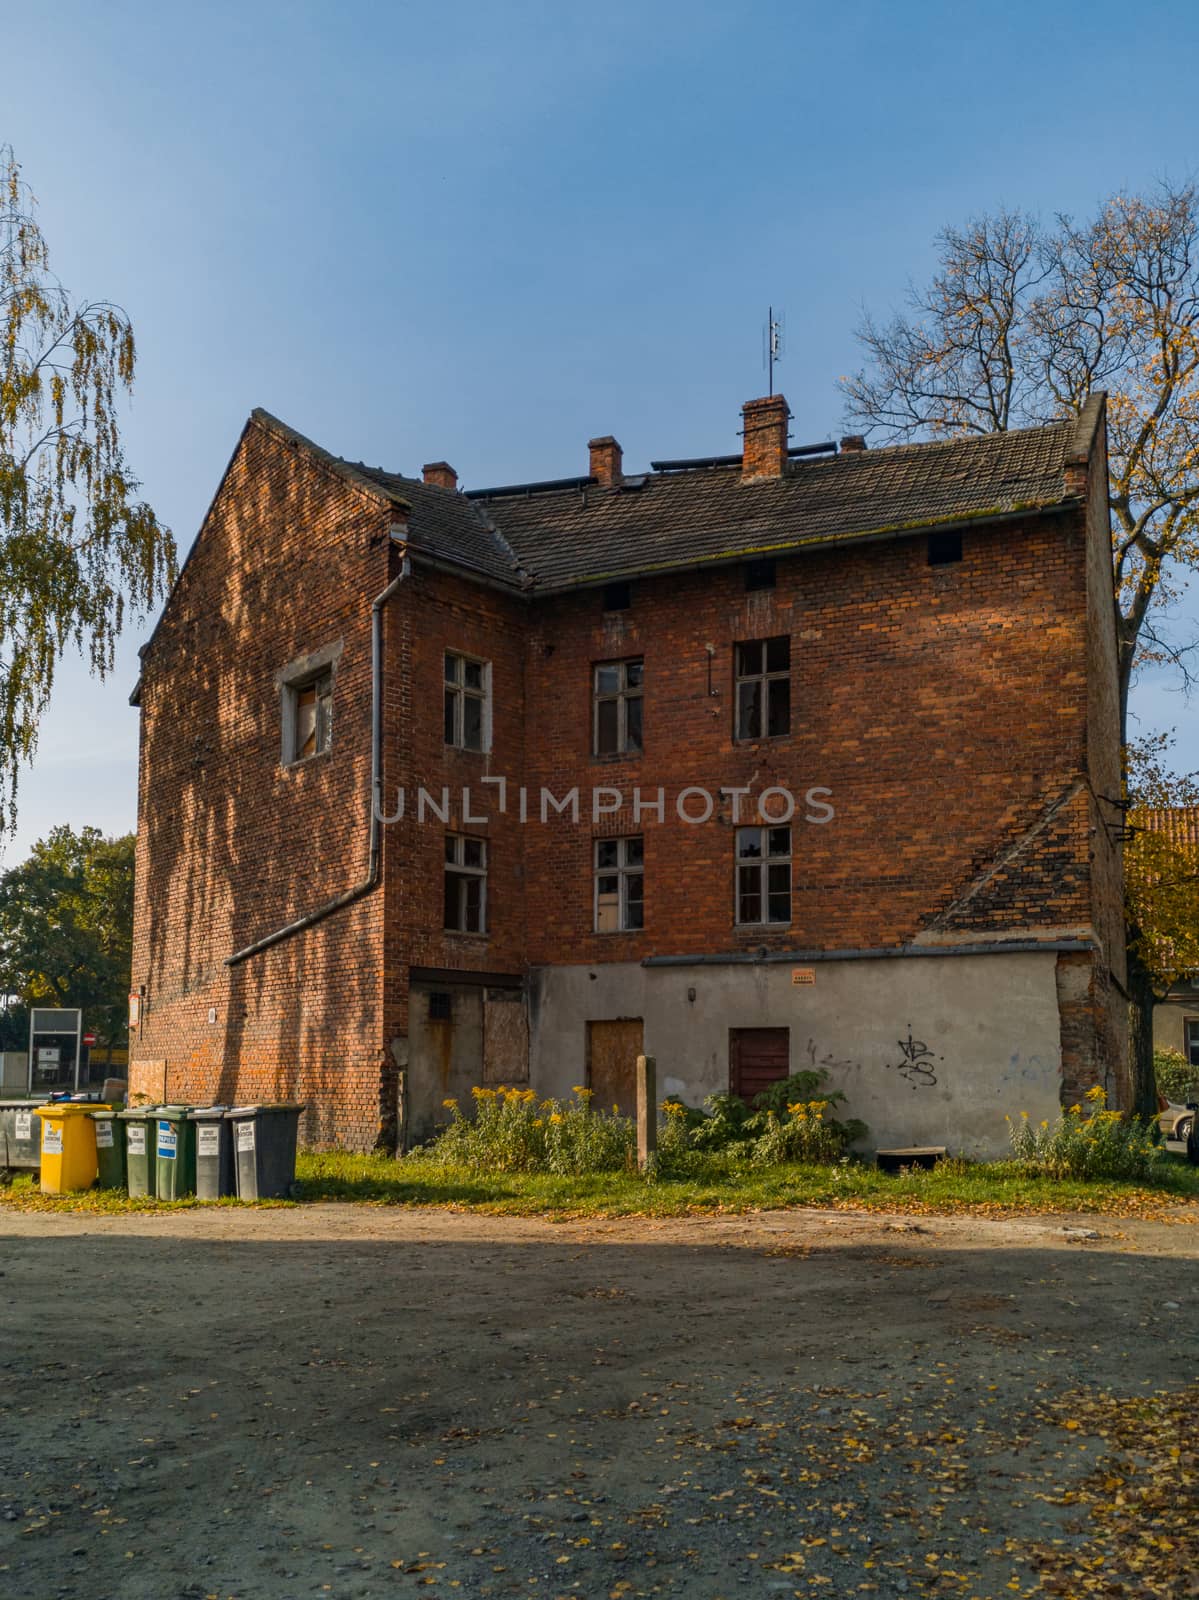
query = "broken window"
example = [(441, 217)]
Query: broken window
[(763, 875), (467, 683), (763, 669), (311, 716), (465, 883), (619, 875), (617, 717)]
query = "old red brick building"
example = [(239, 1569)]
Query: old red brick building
[(793, 756)]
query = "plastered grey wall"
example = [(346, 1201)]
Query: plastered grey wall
[(927, 1050)]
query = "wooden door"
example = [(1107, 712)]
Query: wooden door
[(758, 1057), (612, 1051)]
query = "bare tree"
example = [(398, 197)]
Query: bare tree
[(1019, 324)]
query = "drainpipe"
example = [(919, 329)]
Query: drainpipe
[(376, 790)]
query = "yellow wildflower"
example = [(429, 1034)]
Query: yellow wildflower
[(1097, 1092), (450, 1104), (556, 1118)]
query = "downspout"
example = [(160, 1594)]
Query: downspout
[(376, 790)]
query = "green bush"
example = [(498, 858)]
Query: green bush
[(1176, 1078), (790, 1121), (1090, 1143), (511, 1131)]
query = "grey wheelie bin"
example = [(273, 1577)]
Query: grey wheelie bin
[(264, 1149), (20, 1135), (215, 1177)]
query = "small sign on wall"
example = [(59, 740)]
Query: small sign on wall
[(803, 974)]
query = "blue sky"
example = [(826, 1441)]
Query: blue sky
[(488, 232)]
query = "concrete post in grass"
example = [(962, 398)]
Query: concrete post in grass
[(647, 1111)]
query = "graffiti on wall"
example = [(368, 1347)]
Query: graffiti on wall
[(917, 1063)]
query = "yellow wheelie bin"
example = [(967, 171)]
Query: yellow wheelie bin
[(68, 1147)]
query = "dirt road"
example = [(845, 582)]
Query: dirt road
[(357, 1402)]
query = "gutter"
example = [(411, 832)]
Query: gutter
[(988, 947), (370, 882)]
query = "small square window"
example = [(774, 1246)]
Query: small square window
[(944, 548), (441, 1008), (760, 575), (617, 597)]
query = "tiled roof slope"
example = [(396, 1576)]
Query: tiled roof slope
[(552, 539), (706, 514)]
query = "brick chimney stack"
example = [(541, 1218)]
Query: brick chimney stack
[(606, 456), (853, 441), (764, 438), (440, 473)]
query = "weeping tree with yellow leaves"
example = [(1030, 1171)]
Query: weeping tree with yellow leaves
[(1021, 321), (79, 551)]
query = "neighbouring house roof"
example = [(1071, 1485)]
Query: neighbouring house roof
[(1179, 824), (547, 538)]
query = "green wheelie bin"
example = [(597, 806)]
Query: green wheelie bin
[(110, 1149), (175, 1152), (140, 1124)]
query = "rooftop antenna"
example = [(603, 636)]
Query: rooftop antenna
[(772, 343)]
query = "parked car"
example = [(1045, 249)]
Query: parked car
[(1176, 1121)]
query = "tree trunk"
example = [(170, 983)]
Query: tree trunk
[(1142, 998)]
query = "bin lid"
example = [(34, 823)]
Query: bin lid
[(103, 1113), (266, 1105), (67, 1108), (204, 1113), (173, 1113), (138, 1113)]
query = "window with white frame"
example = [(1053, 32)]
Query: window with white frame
[(618, 687), (619, 876), (311, 711), (763, 875), (465, 883), (763, 671), (467, 696)]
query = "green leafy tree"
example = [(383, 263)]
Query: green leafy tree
[(66, 928), (79, 552)]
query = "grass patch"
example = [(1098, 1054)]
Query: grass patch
[(994, 1189), (982, 1189)]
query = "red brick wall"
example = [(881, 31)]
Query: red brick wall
[(230, 844), (944, 707)]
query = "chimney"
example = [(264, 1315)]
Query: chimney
[(440, 473), (764, 438), (853, 441), (605, 460)]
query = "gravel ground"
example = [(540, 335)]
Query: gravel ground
[(351, 1401)]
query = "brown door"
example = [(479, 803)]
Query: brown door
[(758, 1057), (612, 1051)]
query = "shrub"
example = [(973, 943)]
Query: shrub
[(1087, 1143), (511, 1131), (791, 1121), (802, 1133), (1176, 1078)]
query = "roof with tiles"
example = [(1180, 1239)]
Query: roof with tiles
[(547, 538)]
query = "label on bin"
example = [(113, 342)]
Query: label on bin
[(208, 1139), (168, 1141), (52, 1138), (103, 1135), (245, 1136), (24, 1125), (135, 1138)]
